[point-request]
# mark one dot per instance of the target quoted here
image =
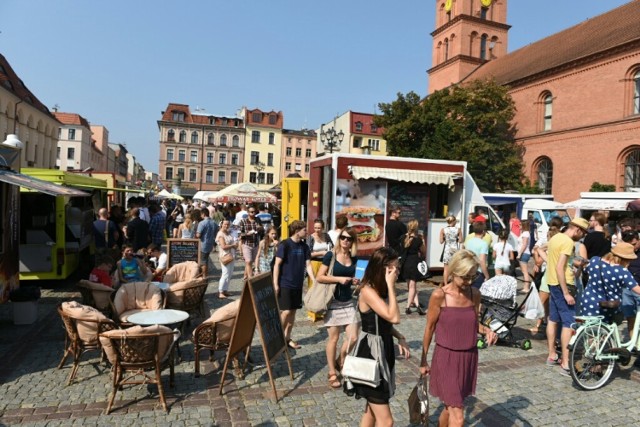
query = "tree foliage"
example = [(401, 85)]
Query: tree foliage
[(596, 186), (470, 123)]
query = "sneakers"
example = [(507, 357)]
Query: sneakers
[(553, 362)]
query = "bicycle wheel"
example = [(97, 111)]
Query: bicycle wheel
[(587, 372)]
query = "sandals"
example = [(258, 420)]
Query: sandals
[(294, 345), (334, 382)]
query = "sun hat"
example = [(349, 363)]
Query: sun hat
[(580, 223), (624, 250)]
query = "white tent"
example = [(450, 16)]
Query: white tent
[(164, 194), (204, 195), (243, 193)]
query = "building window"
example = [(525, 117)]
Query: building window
[(270, 178), (288, 151), (209, 157), (272, 138), (548, 111), (181, 155), (358, 126), (225, 122), (374, 144), (287, 166), (235, 141), (545, 175), (636, 93), (255, 136), (170, 154), (71, 153), (270, 159), (183, 136), (171, 135), (194, 137), (221, 177), (209, 177), (632, 171), (255, 157), (273, 119), (72, 134), (298, 152), (446, 49), (256, 117), (307, 152), (483, 12), (298, 167), (357, 142), (234, 159), (178, 117), (192, 175), (168, 173), (59, 132), (306, 168), (194, 156), (223, 158), (58, 153), (234, 177), (483, 47), (223, 140), (374, 127), (252, 177), (181, 173), (210, 139)]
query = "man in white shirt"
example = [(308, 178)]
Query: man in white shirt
[(159, 259)]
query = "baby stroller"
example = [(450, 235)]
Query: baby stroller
[(500, 310)]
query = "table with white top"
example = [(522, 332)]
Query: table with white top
[(160, 317), (162, 285)]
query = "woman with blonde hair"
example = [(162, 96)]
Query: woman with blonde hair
[(187, 230), (341, 312), (413, 252), (266, 251), (450, 237)]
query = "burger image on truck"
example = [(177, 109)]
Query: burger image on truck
[(362, 220)]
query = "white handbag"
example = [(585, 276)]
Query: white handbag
[(360, 370)]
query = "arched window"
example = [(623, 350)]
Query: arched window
[(183, 136), (483, 46), (545, 175), (446, 49), (632, 170), (171, 135), (223, 140), (210, 139), (194, 137), (548, 111), (235, 141), (636, 93), (472, 40), (483, 12)]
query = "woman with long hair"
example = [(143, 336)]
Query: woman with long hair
[(341, 312), (177, 217), (503, 254), (266, 251), (379, 311), (450, 237), (453, 317), (187, 230), (227, 245), (414, 251), (320, 244)]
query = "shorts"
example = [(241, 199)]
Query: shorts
[(503, 267), (290, 299), (630, 303), (525, 257), (249, 253), (204, 258), (559, 310)]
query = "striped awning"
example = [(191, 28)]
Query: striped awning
[(405, 175)]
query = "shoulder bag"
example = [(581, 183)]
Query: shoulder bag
[(361, 370), (419, 403), (317, 299)]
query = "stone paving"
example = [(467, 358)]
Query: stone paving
[(514, 386)]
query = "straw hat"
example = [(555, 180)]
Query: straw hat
[(580, 223), (624, 250)]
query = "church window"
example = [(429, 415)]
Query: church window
[(548, 112), (544, 174), (483, 46), (632, 170), (636, 93)]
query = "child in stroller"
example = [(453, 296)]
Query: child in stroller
[(499, 309)]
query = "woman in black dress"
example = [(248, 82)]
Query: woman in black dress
[(379, 311), (414, 251)]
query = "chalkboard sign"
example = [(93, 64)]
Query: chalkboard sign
[(413, 201), (258, 306), (181, 250)]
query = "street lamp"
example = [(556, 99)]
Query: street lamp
[(331, 139), (259, 166)]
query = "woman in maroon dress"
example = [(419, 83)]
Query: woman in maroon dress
[(453, 316)]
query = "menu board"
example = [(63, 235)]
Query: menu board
[(413, 201), (181, 250), (266, 309)]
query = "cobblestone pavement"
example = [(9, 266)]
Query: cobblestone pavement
[(514, 386)]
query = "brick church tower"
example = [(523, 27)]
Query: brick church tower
[(468, 33)]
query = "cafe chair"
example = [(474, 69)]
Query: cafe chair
[(134, 297), (96, 295), (215, 334), (187, 288), (136, 351), (82, 324)]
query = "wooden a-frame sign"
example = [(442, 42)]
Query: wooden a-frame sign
[(258, 306)]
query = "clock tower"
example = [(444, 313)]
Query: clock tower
[(468, 33)]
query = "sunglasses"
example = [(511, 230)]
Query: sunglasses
[(469, 277), (347, 238)]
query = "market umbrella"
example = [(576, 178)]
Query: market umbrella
[(242, 193)]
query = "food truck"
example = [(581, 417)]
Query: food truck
[(366, 187), (56, 232)]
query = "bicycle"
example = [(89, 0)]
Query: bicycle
[(596, 347)]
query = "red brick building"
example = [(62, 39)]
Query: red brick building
[(577, 92)]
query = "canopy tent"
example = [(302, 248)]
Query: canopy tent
[(598, 204), (204, 195), (242, 193), (164, 194)]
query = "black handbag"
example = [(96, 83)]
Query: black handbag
[(419, 403)]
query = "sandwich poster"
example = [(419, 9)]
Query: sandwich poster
[(364, 203)]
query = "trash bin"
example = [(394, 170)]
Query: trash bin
[(24, 302)]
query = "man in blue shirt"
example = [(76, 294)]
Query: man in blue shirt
[(265, 218), (293, 257), (206, 232), (156, 224)]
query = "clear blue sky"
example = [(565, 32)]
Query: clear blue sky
[(119, 63)]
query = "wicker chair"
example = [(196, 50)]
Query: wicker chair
[(135, 352), (187, 288), (82, 328), (215, 334), (134, 297), (96, 295)]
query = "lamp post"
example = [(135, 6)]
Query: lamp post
[(331, 139), (259, 166)]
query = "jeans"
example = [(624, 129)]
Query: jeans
[(225, 278)]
